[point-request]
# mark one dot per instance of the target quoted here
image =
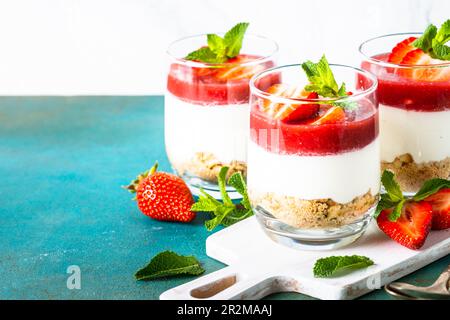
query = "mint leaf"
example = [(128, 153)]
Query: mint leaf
[(397, 212), (236, 216), (391, 186), (321, 80), (334, 265), (433, 41), (237, 181), (441, 52), (384, 203), (205, 203), (392, 198), (169, 264), (205, 54), (226, 212), (219, 215), (221, 181), (233, 39), (425, 42), (219, 49), (431, 187)]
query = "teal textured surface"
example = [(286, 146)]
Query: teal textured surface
[(62, 162)]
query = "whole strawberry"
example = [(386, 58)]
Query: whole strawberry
[(163, 196)]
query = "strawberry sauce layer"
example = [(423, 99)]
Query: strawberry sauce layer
[(215, 86), (406, 93), (358, 130)]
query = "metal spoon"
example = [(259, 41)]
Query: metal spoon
[(438, 290)]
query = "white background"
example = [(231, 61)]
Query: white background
[(84, 47)]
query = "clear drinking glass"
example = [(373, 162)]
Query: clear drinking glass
[(207, 110), (414, 113), (314, 184)]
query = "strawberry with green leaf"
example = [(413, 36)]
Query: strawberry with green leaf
[(162, 196), (408, 221), (429, 49)]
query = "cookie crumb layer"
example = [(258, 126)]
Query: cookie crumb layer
[(319, 213), (411, 175), (207, 167)]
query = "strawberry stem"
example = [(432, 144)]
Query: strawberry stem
[(135, 183), (154, 168)]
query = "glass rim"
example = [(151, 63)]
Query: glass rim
[(265, 95), (371, 59), (215, 65)]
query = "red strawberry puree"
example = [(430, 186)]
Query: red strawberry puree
[(358, 130), (214, 86)]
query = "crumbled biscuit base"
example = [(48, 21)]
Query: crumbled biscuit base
[(207, 167), (320, 213), (411, 175)]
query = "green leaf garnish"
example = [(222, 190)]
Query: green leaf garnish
[(392, 188), (226, 212), (219, 49), (393, 198), (205, 54), (433, 41), (334, 265), (321, 80), (431, 187), (169, 264)]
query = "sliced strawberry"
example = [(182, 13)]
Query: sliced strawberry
[(277, 90), (401, 49), (440, 203), (412, 227), (333, 115), (236, 71), (303, 111), (290, 112), (418, 57)]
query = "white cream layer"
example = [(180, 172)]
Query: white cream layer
[(221, 130), (341, 177), (424, 135)]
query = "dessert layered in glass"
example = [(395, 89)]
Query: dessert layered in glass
[(207, 110), (313, 161), (414, 95)]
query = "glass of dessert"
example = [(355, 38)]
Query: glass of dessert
[(414, 94), (313, 153), (207, 104)]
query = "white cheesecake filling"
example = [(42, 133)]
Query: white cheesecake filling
[(341, 177), (424, 135), (218, 129)]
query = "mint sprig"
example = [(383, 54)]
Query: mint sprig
[(393, 198), (431, 187), (169, 264), (219, 49), (226, 212), (322, 81), (338, 265), (433, 41)]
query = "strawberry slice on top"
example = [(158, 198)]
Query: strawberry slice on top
[(440, 203), (238, 72), (335, 114), (401, 50), (412, 227), (290, 112), (418, 57)]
